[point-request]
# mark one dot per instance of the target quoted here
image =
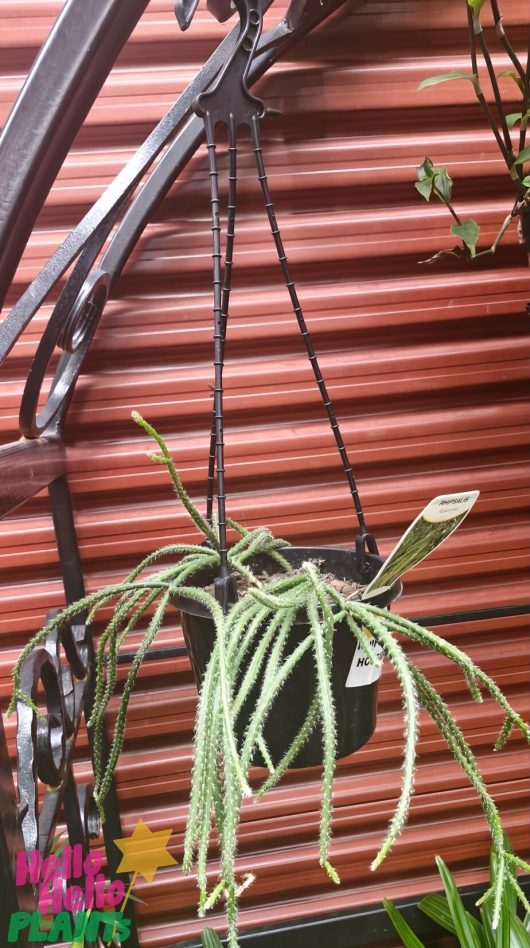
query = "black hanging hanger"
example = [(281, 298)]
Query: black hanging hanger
[(230, 103)]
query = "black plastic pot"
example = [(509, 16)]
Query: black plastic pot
[(356, 707)]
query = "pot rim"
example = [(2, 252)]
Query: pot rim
[(192, 607)]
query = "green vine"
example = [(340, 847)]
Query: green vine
[(436, 182), (250, 655)]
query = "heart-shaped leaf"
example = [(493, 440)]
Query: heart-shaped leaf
[(425, 171), (425, 188), (443, 183), (431, 178), (425, 176), (513, 118), (469, 232)]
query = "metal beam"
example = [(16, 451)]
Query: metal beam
[(27, 467)]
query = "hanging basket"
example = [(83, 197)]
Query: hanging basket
[(229, 102), (355, 700)]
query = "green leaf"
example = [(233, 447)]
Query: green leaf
[(436, 907), (404, 930), (443, 183), (425, 176), (513, 75), (509, 896), (476, 5), (446, 77), (430, 177), (526, 922), (502, 932), (518, 933), (425, 188), (464, 928), (56, 842), (523, 156), (425, 171), (79, 942), (210, 939), (469, 232), (513, 118), (134, 898), (487, 930), (526, 181)]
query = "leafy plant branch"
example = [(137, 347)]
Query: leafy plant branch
[(436, 181)]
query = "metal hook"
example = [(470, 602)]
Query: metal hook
[(222, 10), (364, 543), (229, 99), (185, 11)]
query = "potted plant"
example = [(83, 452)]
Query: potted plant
[(258, 616), (450, 913), (285, 612)]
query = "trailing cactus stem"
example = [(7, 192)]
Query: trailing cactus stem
[(251, 657)]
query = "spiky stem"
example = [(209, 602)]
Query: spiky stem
[(253, 654), (165, 458)]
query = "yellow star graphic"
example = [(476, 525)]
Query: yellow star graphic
[(145, 851)]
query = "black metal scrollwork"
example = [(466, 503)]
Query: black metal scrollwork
[(71, 328), (45, 742)]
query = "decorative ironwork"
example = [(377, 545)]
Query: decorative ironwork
[(44, 743)]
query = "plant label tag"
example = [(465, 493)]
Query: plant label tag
[(362, 671), (437, 521)]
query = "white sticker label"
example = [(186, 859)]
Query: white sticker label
[(447, 506), (362, 671), (437, 521)]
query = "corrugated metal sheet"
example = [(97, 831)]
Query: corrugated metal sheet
[(426, 367)]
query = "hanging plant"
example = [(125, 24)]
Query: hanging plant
[(259, 613), (253, 658)]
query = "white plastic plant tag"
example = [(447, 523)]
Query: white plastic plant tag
[(437, 521), (362, 671)]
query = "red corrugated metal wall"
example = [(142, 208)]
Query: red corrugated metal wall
[(426, 366)]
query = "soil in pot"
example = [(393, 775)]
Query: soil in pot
[(347, 588)]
